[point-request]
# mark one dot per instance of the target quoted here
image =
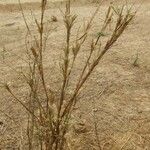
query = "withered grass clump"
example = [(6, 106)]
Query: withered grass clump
[(49, 119)]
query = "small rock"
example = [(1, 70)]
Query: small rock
[(9, 24), (54, 19), (1, 123)]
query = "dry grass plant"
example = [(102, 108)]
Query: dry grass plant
[(48, 117)]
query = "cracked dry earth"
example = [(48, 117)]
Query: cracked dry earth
[(123, 108)]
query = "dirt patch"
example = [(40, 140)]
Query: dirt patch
[(32, 5)]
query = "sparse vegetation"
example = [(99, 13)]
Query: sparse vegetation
[(135, 63), (49, 117), (49, 111)]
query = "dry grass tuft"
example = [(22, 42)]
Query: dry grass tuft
[(49, 114)]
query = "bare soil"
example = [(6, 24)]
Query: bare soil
[(122, 111)]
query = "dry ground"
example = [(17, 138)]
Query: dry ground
[(123, 111)]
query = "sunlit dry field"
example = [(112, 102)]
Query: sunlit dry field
[(118, 91)]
